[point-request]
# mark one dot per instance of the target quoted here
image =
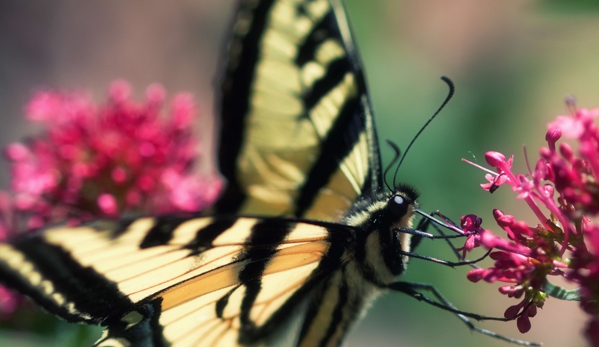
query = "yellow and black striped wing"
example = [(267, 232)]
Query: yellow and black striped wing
[(297, 140), (175, 281), (297, 133)]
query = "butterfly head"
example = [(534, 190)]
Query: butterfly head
[(401, 206)]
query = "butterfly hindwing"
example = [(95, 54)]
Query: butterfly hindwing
[(297, 133)]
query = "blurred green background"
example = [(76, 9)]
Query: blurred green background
[(512, 62)]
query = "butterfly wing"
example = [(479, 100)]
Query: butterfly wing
[(175, 281), (297, 139), (297, 133)]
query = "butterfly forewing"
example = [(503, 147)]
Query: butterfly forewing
[(207, 275), (297, 134)]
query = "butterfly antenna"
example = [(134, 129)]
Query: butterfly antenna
[(449, 96), (395, 158)]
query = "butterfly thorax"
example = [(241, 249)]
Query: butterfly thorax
[(380, 247)]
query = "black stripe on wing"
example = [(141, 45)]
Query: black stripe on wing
[(374, 181), (262, 246), (205, 237), (310, 290), (238, 75), (162, 232), (54, 279), (327, 28), (346, 131)]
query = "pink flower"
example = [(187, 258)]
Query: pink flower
[(562, 191), (102, 161), (575, 126), (592, 331), (9, 301)]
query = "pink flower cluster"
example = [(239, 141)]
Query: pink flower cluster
[(565, 240), (103, 161)]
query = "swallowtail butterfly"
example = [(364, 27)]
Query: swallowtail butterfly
[(304, 228)]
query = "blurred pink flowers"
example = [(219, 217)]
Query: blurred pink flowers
[(563, 193), (104, 161)]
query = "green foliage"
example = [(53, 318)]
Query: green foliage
[(571, 7), (562, 293)]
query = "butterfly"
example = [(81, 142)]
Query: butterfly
[(303, 238)]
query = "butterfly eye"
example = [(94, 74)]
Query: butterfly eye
[(398, 206)]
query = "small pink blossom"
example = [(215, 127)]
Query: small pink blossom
[(575, 126), (470, 224), (108, 205), (494, 182)]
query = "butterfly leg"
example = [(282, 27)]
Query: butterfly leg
[(425, 223), (423, 226), (413, 289)]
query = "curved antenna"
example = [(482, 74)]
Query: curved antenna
[(447, 98), (397, 155)]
